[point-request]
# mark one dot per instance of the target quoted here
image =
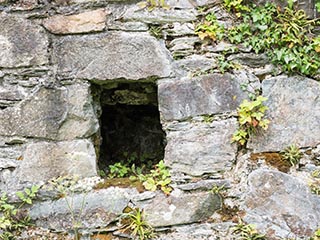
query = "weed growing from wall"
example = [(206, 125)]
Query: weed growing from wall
[(14, 218), (66, 186), (247, 232), (284, 34), (159, 178), (292, 154), (316, 235), (251, 119), (133, 220)]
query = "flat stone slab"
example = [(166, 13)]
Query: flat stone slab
[(201, 148), (208, 94), (89, 21), (281, 205), (180, 208), (159, 16), (22, 43), (63, 113), (115, 55), (294, 114), (45, 108), (101, 207), (45, 160)]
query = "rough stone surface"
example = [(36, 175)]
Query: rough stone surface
[(250, 59), (196, 63), (201, 148), (61, 113), (159, 16), (180, 208), (45, 109), (281, 206), (104, 206), (45, 160), (204, 185), (66, 66), (294, 112), (201, 231), (90, 21), (81, 120), (21, 42), (111, 56), (209, 94), (180, 29), (100, 208)]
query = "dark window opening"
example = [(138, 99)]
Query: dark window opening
[(131, 132)]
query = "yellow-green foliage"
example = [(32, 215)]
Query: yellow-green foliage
[(134, 221), (251, 119), (247, 232), (13, 218), (292, 154), (159, 178), (316, 235), (284, 34)]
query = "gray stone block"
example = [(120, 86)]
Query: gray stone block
[(201, 148), (22, 43), (115, 55), (45, 160), (294, 114), (208, 94), (281, 205)]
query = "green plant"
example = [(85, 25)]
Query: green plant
[(316, 173), (210, 28), (118, 170), (152, 4), (284, 35), (315, 188), (14, 218), (316, 235), (247, 232), (157, 178), (134, 221), (66, 186), (156, 31), (225, 65), (208, 118), (102, 173), (292, 154), (251, 119), (218, 189), (318, 5), (235, 6)]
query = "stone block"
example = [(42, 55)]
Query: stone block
[(63, 113), (201, 148), (294, 114), (39, 115), (103, 207), (209, 94), (281, 206), (81, 120), (45, 160), (115, 55), (160, 16), (181, 208), (89, 21), (22, 43)]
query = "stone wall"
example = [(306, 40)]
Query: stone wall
[(55, 55)]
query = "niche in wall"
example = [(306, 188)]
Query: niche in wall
[(130, 128)]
